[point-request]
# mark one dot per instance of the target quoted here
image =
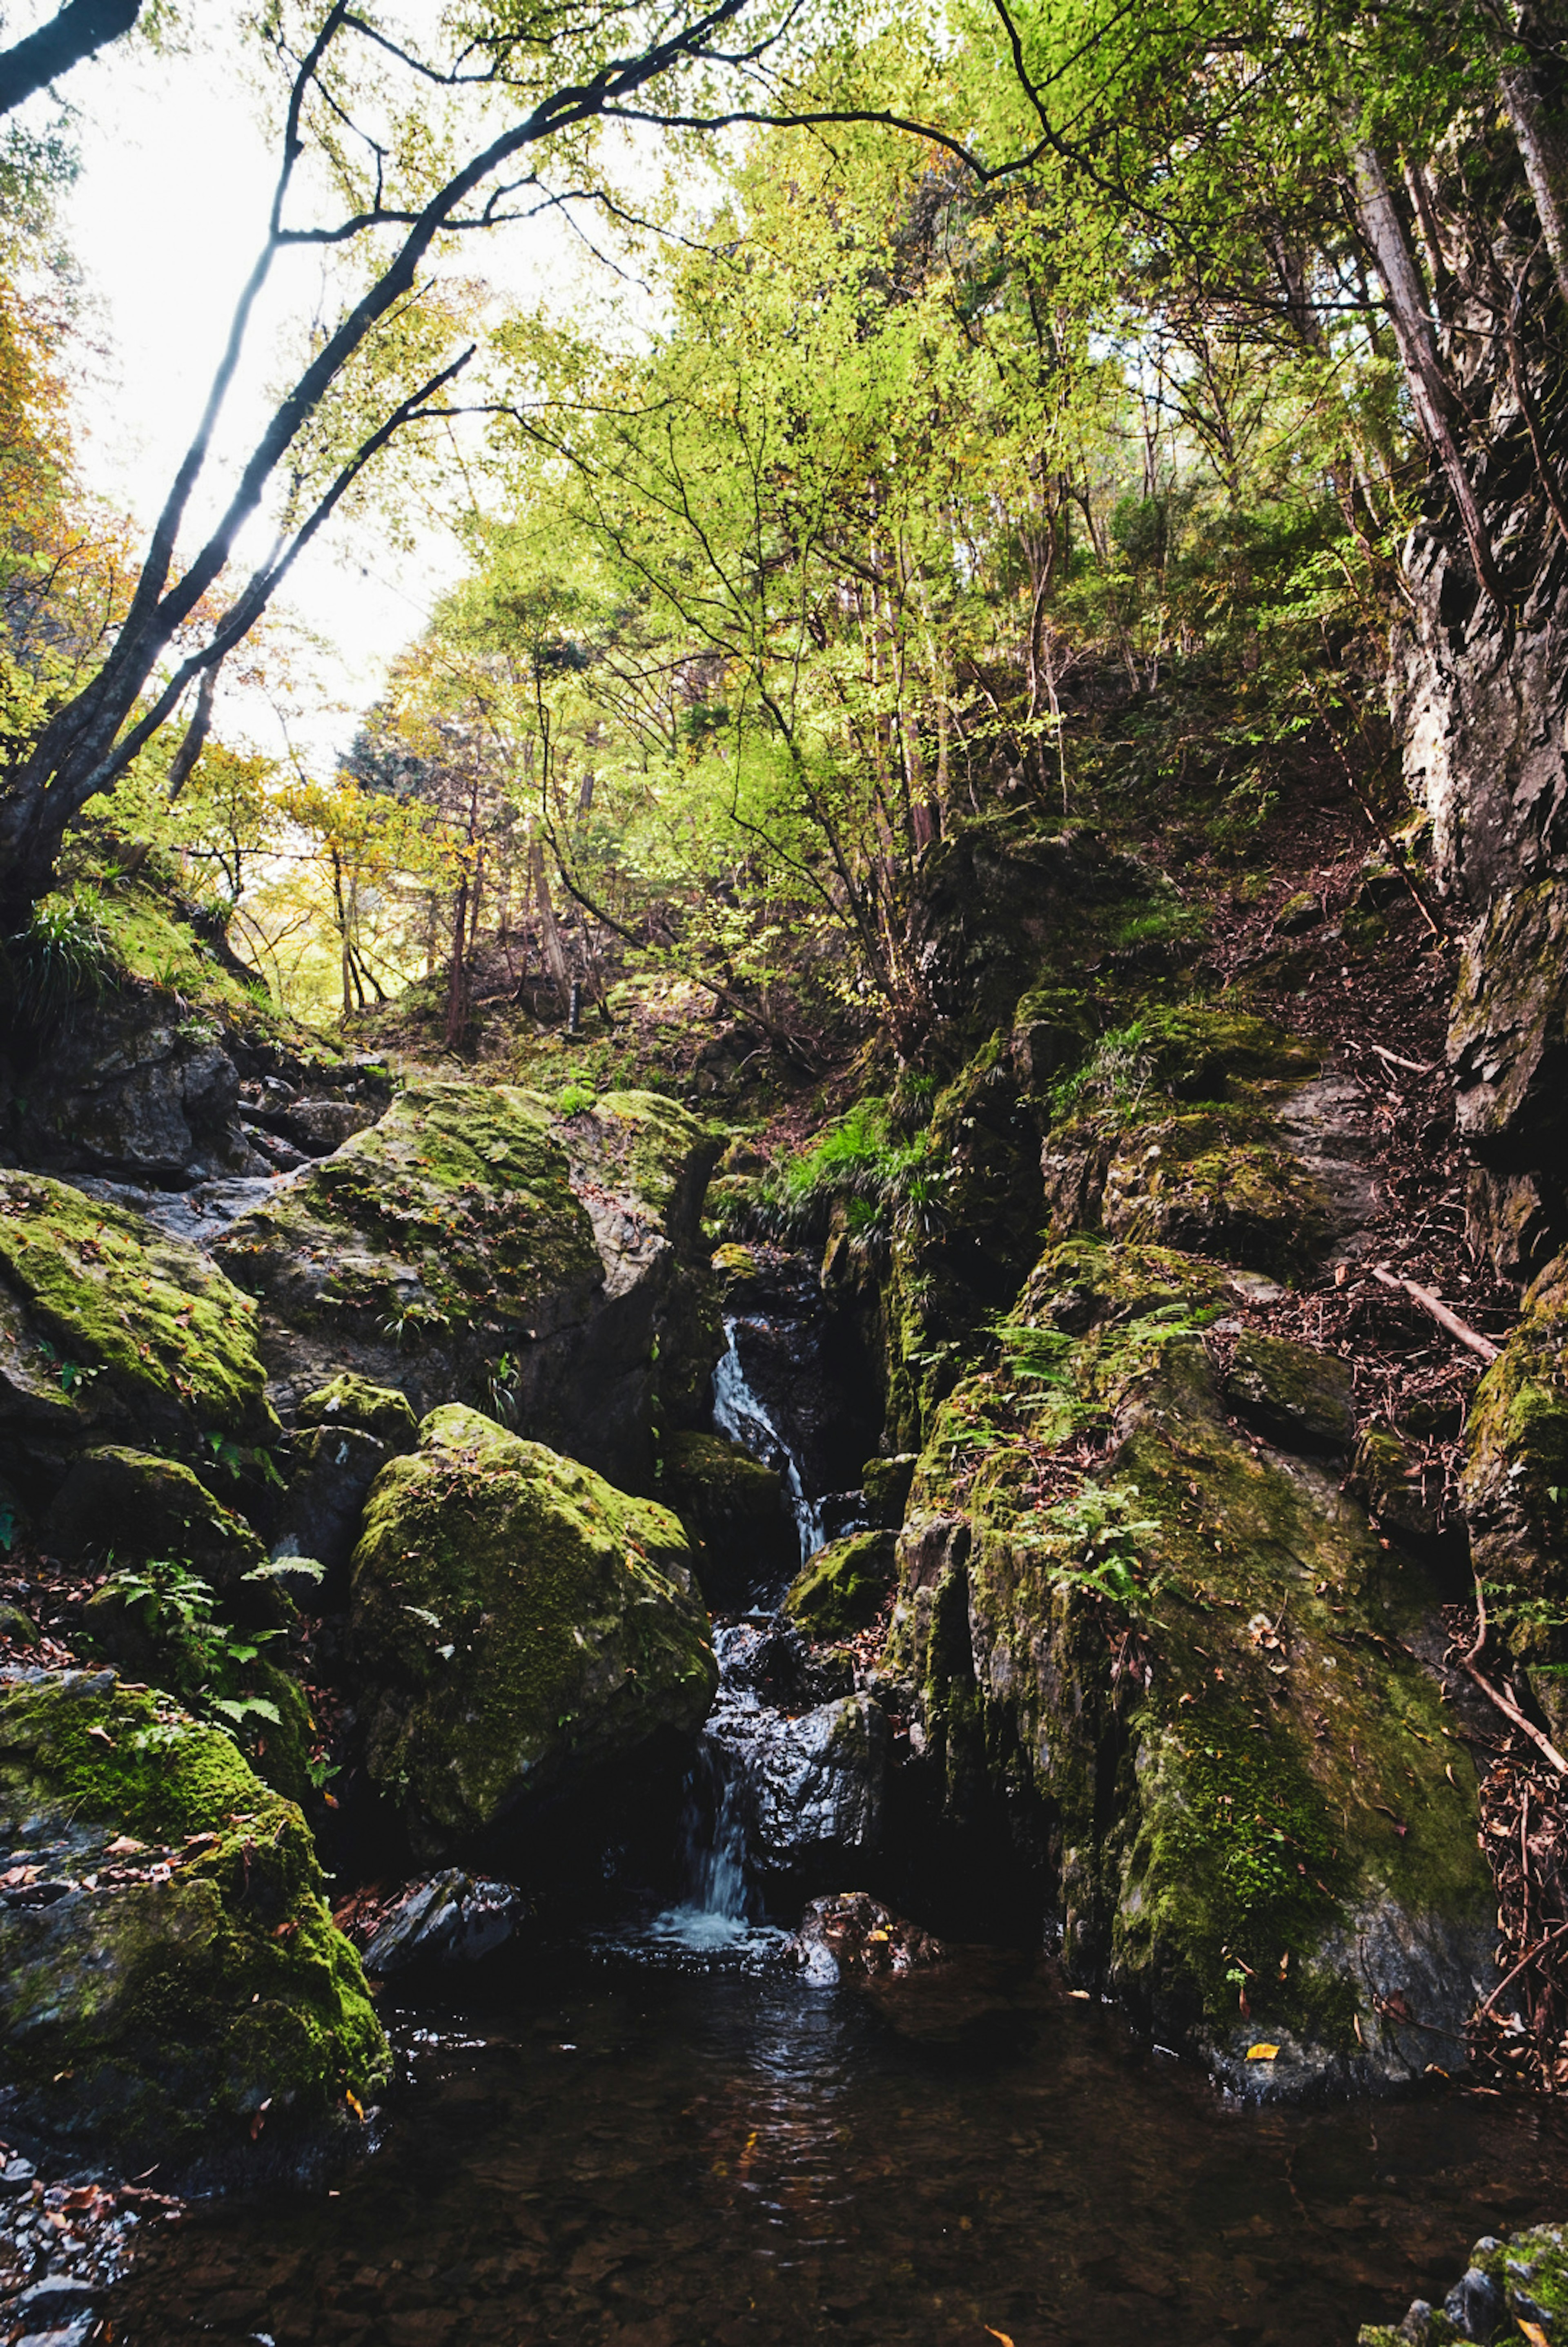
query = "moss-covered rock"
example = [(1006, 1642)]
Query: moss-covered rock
[(170, 1980), (1515, 1488), (521, 1628), (383, 1411), (1207, 1183), (844, 1587), (1298, 1395), (886, 1483), (1193, 1667), (134, 1506), (108, 1328), (446, 1253), (732, 1507), (1511, 2288)]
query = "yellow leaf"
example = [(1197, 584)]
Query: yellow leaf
[(1533, 2332), (1000, 2335), (1261, 2053), (354, 2103)]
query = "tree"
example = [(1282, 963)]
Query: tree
[(76, 31), (400, 147)]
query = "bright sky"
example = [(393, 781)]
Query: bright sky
[(166, 221)]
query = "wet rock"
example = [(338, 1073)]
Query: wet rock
[(811, 1785), (844, 1587), (171, 1980), (774, 1663), (471, 1246), (732, 1506), (107, 1329), (1510, 2288), (451, 1918), (850, 1936), (521, 1628), (1295, 1394)]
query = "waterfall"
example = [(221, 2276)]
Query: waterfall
[(741, 1414)]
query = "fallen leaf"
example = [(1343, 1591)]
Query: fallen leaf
[(354, 2103), (1533, 2332), (998, 2335), (1261, 2053), (124, 1846)]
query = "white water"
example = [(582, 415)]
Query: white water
[(744, 1417)]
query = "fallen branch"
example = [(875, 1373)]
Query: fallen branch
[(1415, 1067), (1511, 1711), (1455, 1326), (1525, 1961)]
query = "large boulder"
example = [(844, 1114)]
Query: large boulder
[(109, 1330), (732, 1507), (471, 1246), (844, 1587), (134, 1506), (522, 1631), (344, 1434), (171, 1985)]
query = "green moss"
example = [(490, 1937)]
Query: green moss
[(844, 1587), (639, 1143), (136, 1505), (519, 1623), (1212, 1183), (350, 1401), (104, 1317), (1294, 1391), (201, 1981)]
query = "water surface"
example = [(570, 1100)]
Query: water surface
[(636, 2153)]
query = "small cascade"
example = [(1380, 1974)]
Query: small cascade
[(740, 1412)]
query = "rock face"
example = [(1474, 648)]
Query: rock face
[(468, 1246), (136, 1506), (1511, 2288), (109, 1330), (171, 1980), (345, 1432), (520, 1629), (1170, 1663)]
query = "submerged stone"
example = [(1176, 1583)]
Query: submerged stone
[(521, 1629)]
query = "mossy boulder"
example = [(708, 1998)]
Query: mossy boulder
[(134, 1506), (1209, 1184), (1298, 1396), (1515, 1488), (473, 1246), (844, 1587), (383, 1411), (1198, 1664), (522, 1629), (886, 1483), (732, 1507), (1511, 2288), (1400, 1483), (108, 1330), (171, 1985)]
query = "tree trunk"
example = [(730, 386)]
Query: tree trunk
[(457, 974), (1435, 405)]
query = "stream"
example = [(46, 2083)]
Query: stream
[(663, 2132)]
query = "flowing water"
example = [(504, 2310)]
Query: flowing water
[(665, 2135)]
